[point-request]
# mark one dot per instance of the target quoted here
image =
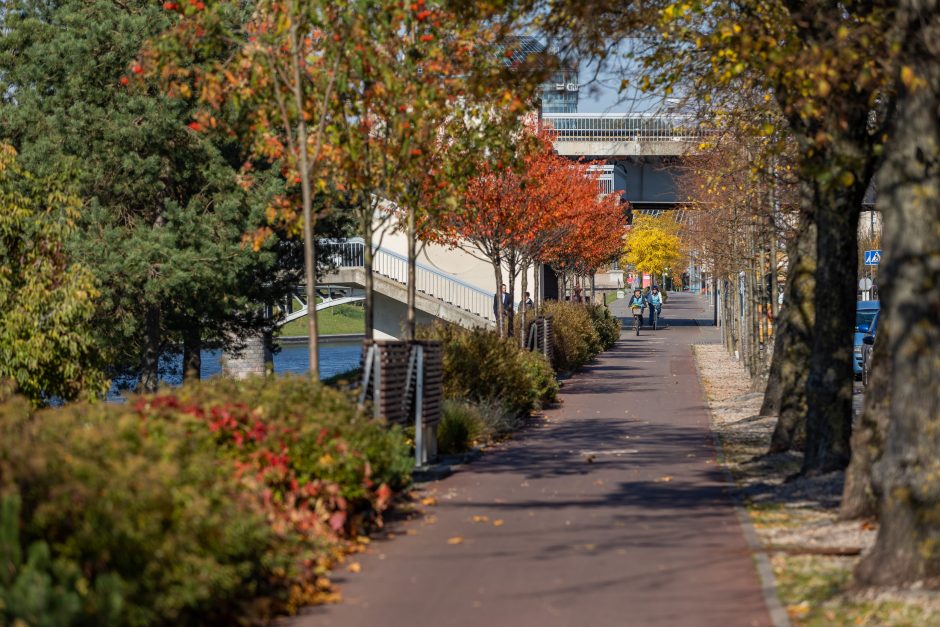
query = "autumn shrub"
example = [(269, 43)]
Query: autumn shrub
[(108, 520), (606, 325), (481, 366), (576, 340), (540, 375), (218, 503), (460, 426), (324, 467)]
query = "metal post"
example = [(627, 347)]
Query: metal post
[(715, 299), (420, 453)]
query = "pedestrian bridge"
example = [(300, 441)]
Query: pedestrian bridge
[(606, 135), (439, 296)]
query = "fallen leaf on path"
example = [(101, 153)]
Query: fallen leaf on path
[(498, 522), (429, 500), (599, 482), (477, 519), (590, 459), (455, 540), (665, 479), (355, 567), (430, 520), (590, 547)]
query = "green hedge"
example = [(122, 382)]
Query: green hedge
[(606, 325), (222, 503), (576, 341), (480, 366), (581, 331)]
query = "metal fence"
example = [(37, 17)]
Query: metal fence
[(428, 281), (623, 127)]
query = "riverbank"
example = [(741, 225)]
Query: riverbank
[(294, 340)]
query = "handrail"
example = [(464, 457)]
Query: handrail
[(434, 271), (430, 281), (622, 127)]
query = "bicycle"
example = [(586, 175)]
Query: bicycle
[(655, 317), (637, 319)]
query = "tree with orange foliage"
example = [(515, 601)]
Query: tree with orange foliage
[(548, 210)]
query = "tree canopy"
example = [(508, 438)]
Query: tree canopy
[(46, 302), (653, 244), (163, 219)]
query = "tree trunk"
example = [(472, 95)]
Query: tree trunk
[(411, 315), (500, 314), (512, 269), (831, 374), (306, 193), (793, 336), (908, 474), (858, 495), (536, 284), (367, 263), (796, 342), (150, 360), (192, 353), (522, 305)]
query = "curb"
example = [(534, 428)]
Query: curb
[(768, 583), (445, 467)]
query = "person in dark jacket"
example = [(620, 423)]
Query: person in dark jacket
[(506, 321)]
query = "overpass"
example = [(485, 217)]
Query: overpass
[(643, 153)]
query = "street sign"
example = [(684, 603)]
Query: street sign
[(865, 284), (872, 257)]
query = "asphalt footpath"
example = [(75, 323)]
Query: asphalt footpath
[(610, 510)]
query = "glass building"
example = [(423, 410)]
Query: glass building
[(559, 94)]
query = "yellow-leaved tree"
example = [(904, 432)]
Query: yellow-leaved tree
[(653, 245)]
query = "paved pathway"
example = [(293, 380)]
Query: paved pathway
[(612, 511)]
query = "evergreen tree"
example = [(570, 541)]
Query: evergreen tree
[(164, 220)]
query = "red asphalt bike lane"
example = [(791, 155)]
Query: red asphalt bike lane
[(612, 510)]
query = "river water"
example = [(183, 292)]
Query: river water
[(335, 357)]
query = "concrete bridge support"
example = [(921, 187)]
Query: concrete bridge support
[(255, 358)]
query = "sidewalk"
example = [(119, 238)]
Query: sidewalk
[(610, 511)]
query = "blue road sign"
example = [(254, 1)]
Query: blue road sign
[(872, 257)]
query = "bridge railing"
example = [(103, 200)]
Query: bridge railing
[(430, 281), (622, 127)]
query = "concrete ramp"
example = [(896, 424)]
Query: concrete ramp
[(439, 296)]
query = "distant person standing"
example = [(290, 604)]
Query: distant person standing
[(526, 302), (507, 309)]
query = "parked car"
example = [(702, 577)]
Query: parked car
[(865, 312), (868, 348)]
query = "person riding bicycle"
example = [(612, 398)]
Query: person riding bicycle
[(638, 304), (655, 301)]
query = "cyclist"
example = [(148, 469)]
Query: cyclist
[(655, 302), (637, 305)]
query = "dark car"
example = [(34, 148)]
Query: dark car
[(868, 348)]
